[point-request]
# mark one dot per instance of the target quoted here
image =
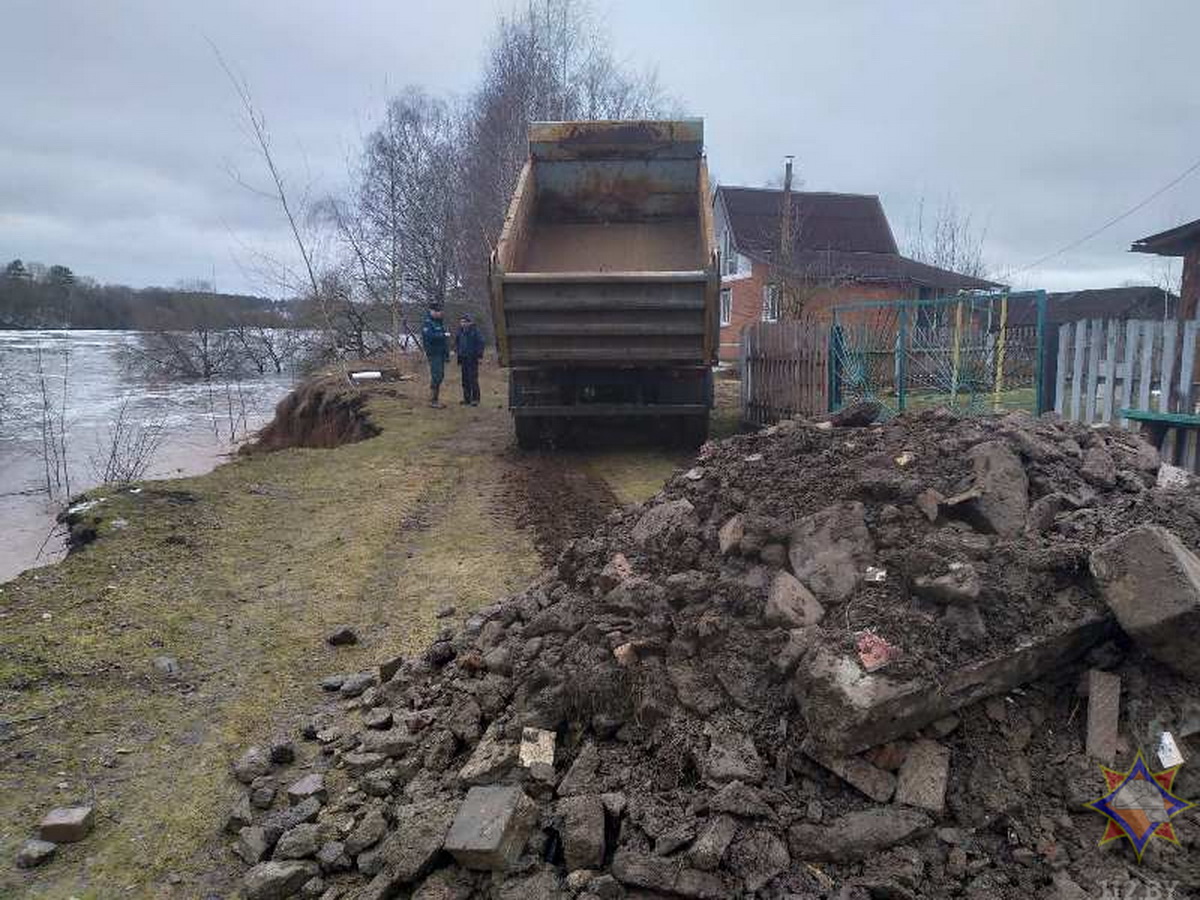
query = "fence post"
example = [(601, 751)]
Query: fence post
[(999, 382), (835, 375), (902, 359), (1046, 361)]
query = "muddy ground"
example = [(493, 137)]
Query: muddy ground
[(237, 576)]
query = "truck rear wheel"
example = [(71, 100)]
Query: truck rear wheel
[(529, 432), (693, 431)]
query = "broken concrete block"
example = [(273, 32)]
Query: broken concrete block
[(67, 824), (729, 538), (395, 741), (929, 502), (34, 853), (277, 880), (848, 710), (1104, 708), (583, 832), (657, 873), (253, 844), (581, 777), (695, 689), (493, 756), (361, 763), (712, 842), (731, 757), (858, 773), (312, 785), (960, 585), (252, 764), (790, 604), (923, 776), (1151, 582), (1003, 488), (617, 570), (830, 549), (661, 519), (410, 850), (537, 746), (857, 835), (491, 827)]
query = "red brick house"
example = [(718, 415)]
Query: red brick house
[(841, 249)]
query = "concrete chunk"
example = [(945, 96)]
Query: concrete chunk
[(277, 880), (1104, 708), (491, 827), (857, 835), (493, 756), (848, 710), (1151, 582), (410, 850), (830, 549), (537, 746), (872, 781), (312, 785), (923, 776), (1003, 487), (34, 852), (67, 824), (790, 604), (730, 535), (583, 832)]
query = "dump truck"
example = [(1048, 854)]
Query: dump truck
[(605, 281)]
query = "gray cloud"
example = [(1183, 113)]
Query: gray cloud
[(1043, 120)]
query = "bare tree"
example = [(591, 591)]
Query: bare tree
[(550, 61), (278, 192), (399, 225), (948, 239), (129, 449)]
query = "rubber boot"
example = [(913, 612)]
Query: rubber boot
[(433, 397)]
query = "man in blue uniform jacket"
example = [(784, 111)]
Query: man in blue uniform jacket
[(437, 350), (468, 345)]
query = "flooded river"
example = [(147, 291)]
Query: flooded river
[(77, 378)]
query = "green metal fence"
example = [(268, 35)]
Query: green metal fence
[(974, 353)]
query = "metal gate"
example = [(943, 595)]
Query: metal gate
[(974, 353)]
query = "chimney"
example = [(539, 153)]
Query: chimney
[(785, 213)]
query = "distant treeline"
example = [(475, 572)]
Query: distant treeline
[(36, 296)]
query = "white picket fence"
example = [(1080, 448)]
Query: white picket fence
[(1106, 365)]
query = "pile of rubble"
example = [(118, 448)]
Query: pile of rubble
[(832, 660)]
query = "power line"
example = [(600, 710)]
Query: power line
[(1111, 222)]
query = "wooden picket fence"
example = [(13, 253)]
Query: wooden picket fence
[(785, 370), (1105, 366)]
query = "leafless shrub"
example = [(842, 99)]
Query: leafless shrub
[(52, 420), (127, 451), (948, 239)]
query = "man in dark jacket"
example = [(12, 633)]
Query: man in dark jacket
[(437, 350), (468, 344)]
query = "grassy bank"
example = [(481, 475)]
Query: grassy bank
[(238, 575)]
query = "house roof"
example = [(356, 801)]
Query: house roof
[(1172, 242), (1136, 302), (837, 236), (821, 221)]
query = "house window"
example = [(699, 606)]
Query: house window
[(730, 254), (726, 307), (770, 308)]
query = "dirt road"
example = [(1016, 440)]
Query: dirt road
[(237, 576)]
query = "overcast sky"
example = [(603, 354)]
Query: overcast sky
[(1044, 119)]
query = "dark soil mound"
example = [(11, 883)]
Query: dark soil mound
[(803, 670), (324, 412)]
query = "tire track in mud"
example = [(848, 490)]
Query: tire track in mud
[(553, 494)]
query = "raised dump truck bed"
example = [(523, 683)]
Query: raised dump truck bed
[(605, 279)]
